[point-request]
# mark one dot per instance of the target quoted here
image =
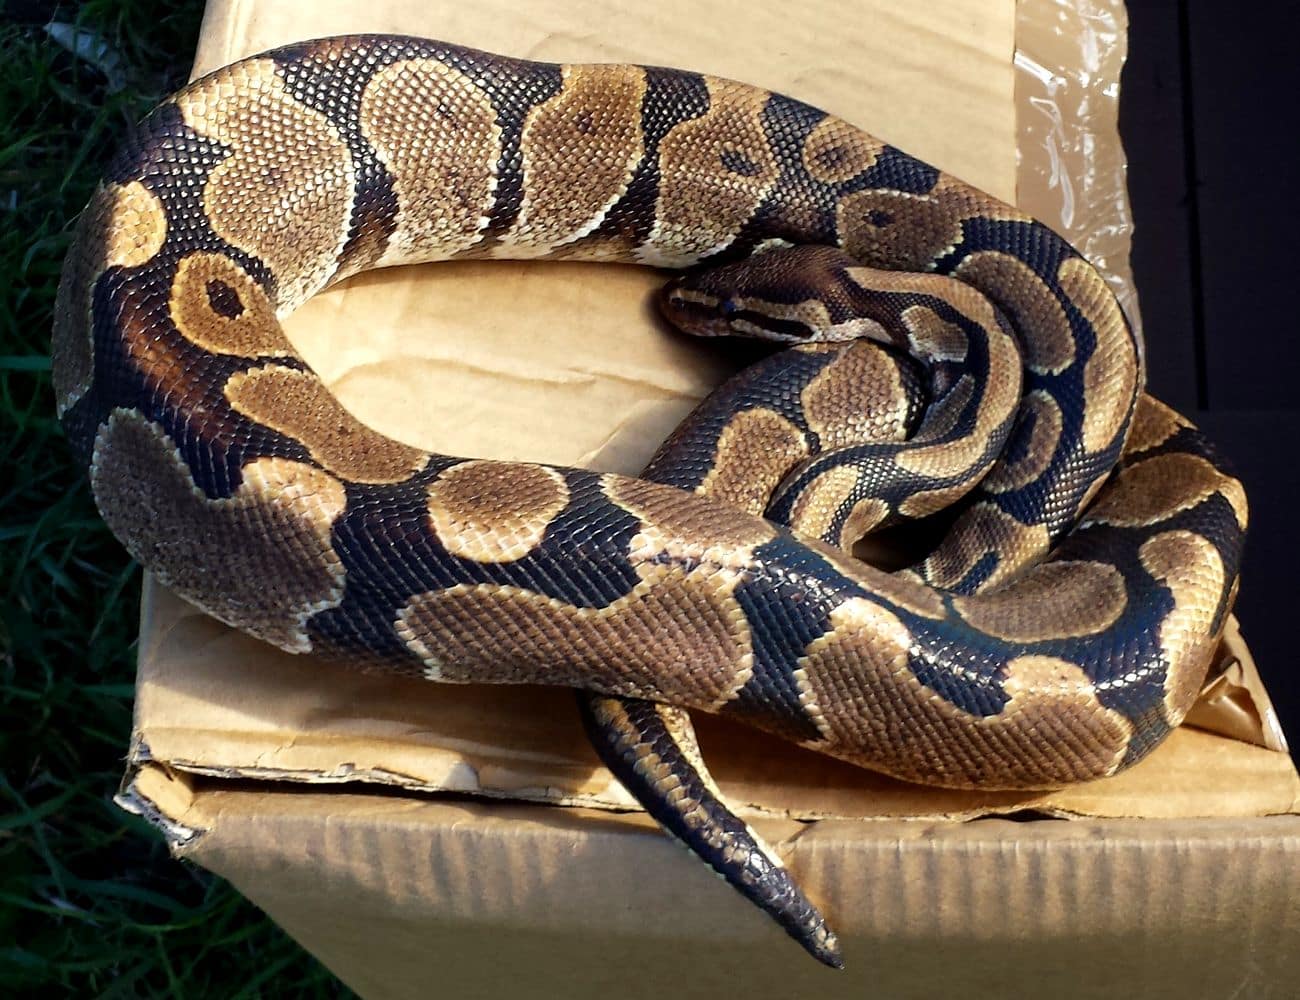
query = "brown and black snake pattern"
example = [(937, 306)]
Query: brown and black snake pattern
[(1039, 643)]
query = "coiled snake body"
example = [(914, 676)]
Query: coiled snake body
[(224, 466)]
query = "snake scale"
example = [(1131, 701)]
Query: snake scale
[(950, 351)]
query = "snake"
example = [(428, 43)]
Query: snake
[(938, 361)]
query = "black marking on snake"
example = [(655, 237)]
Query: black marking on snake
[(1149, 729), (783, 619), (165, 142), (390, 523), (785, 614), (1017, 448), (956, 674), (788, 123), (514, 88), (687, 95), (148, 144), (334, 87), (223, 299), (894, 170), (974, 578), (81, 420), (733, 161), (794, 210), (773, 384)]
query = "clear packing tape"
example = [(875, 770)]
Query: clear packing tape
[(444, 362), (1071, 173)]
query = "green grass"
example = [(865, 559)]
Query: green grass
[(91, 904)]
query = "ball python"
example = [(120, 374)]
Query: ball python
[(1056, 633)]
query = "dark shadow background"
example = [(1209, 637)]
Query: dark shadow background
[(1208, 116)]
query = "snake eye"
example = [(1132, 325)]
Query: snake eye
[(728, 308)]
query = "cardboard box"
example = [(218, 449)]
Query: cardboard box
[(358, 811)]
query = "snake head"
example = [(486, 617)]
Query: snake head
[(700, 311), (705, 308), (781, 294)]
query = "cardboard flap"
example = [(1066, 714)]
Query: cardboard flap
[(1233, 701)]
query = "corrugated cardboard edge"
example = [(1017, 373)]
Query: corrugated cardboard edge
[(396, 893)]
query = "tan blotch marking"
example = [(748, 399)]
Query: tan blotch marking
[(444, 174), (968, 301), (1033, 307), (857, 397), (1061, 694), (865, 516), (124, 225), (755, 451), (137, 224), (495, 512), (678, 636), (1159, 487), (284, 191), (1059, 599), (1154, 423), (820, 501), (835, 151), (579, 150), (981, 530), (811, 313), (1190, 566), (994, 411), (218, 306), (857, 686), (1044, 436), (297, 403), (862, 631), (715, 170), (686, 526), (260, 560), (891, 229), (1111, 372), (922, 503), (934, 337)]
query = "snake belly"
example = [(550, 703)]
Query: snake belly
[(224, 466)]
